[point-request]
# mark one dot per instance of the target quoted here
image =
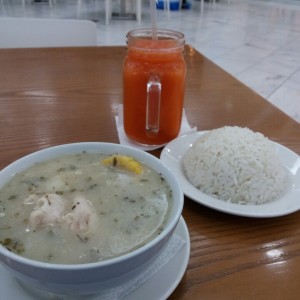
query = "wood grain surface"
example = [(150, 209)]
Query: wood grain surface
[(64, 95)]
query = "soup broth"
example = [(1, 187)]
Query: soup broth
[(76, 209)]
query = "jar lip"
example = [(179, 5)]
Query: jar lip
[(173, 40), (135, 33)]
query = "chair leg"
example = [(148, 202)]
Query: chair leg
[(107, 11), (79, 5), (180, 4), (139, 10), (167, 7)]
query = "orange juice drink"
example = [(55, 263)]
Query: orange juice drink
[(154, 74)]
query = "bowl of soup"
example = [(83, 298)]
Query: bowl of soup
[(79, 218)]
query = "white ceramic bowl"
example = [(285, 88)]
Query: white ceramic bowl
[(93, 277)]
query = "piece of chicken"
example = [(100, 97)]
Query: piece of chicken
[(47, 211), (82, 219)]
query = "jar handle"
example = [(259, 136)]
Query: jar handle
[(153, 105)]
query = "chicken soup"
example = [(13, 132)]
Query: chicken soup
[(83, 208)]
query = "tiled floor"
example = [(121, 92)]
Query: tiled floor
[(258, 41)]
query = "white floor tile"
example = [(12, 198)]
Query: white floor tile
[(287, 99), (257, 41), (295, 78), (263, 82)]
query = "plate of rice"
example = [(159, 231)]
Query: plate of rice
[(236, 171)]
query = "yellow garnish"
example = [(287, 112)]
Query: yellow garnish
[(124, 162)]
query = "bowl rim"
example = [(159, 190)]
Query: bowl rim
[(33, 157)]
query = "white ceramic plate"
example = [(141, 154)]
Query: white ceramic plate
[(160, 286), (288, 203)]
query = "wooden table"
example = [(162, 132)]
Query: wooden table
[(54, 96)]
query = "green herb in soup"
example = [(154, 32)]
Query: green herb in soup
[(83, 208)]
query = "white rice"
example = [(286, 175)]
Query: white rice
[(237, 165)]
